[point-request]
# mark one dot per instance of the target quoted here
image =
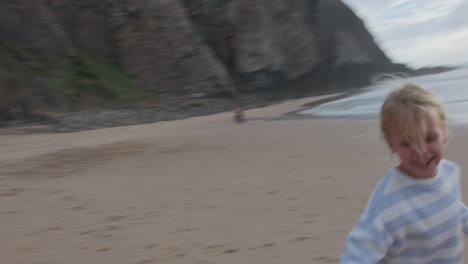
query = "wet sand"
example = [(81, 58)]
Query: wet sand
[(201, 190)]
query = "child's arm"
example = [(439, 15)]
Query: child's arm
[(366, 244)]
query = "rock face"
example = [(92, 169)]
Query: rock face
[(350, 41), (157, 44), (14, 98), (262, 43), (289, 42), (34, 25), (274, 36), (153, 40), (86, 23), (183, 47), (350, 51)]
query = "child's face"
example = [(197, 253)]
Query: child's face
[(422, 164)]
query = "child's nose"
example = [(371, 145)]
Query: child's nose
[(422, 151), (424, 148)]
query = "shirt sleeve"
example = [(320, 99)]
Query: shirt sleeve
[(464, 217), (367, 243), (463, 208)]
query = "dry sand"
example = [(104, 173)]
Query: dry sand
[(201, 190)]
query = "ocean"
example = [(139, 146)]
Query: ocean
[(450, 87)]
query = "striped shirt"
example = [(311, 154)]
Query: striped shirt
[(411, 220)]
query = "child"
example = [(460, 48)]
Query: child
[(415, 214)]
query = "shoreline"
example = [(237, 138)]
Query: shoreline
[(93, 119), (308, 102), (296, 114)]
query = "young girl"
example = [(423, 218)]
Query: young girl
[(415, 214)]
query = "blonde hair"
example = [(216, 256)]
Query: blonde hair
[(406, 109)]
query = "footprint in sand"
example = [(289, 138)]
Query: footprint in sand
[(115, 218), (68, 198), (295, 181), (215, 246), (53, 191), (180, 255), (146, 261), (185, 229), (12, 192), (41, 231), (78, 208), (266, 245), (304, 238), (103, 249), (108, 228), (151, 246), (295, 156), (232, 250), (327, 259)]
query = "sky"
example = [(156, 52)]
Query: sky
[(418, 32)]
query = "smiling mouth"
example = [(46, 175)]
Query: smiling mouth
[(427, 163)]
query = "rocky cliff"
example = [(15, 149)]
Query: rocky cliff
[(178, 48)]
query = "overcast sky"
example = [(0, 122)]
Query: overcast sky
[(418, 32)]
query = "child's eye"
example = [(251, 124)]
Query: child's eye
[(431, 139), (404, 144)]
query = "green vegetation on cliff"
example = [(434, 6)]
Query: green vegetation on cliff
[(78, 81), (84, 75)]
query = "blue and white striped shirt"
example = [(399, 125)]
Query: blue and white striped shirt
[(411, 220)]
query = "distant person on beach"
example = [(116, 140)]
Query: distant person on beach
[(239, 116), (415, 214)]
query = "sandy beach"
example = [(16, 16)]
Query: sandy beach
[(200, 190)]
